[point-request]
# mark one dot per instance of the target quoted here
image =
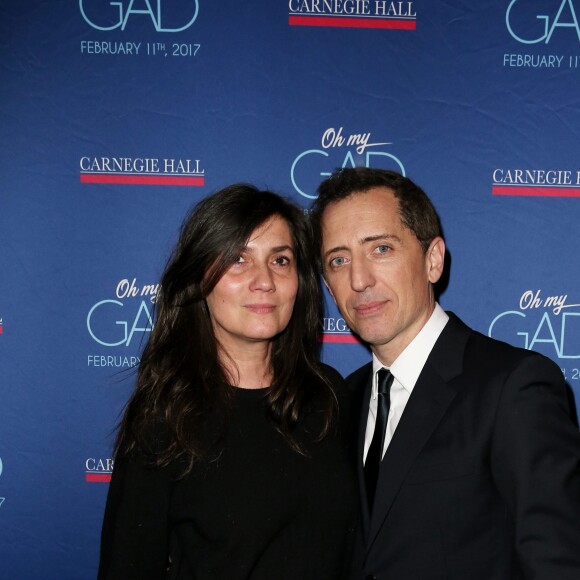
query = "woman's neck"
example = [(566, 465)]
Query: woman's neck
[(249, 368)]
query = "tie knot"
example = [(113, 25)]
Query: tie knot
[(385, 381)]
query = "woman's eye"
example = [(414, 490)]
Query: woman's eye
[(282, 261)]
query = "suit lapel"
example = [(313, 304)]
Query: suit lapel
[(361, 384), (428, 403)]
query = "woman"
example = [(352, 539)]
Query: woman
[(229, 462)]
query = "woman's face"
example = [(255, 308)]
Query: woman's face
[(253, 300)]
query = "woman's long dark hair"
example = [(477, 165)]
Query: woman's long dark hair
[(180, 379)]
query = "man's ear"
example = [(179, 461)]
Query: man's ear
[(435, 259), (328, 288)]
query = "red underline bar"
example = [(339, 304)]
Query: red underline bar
[(142, 179), (340, 338), (98, 477), (515, 190), (341, 22)]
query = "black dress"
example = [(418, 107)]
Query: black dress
[(259, 511)]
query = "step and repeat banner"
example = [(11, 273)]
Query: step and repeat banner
[(118, 116)]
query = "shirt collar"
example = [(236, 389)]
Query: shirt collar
[(408, 365)]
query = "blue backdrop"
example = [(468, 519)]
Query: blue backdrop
[(118, 116)]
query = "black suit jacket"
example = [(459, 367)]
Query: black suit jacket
[(481, 480)]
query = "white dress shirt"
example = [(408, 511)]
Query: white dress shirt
[(406, 370)]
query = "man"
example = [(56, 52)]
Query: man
[(476, 475)]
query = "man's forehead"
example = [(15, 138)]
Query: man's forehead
[(370, 191), (360, 207)]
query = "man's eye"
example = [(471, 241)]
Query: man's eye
[(383, 249)]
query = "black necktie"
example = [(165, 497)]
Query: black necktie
[(375, 452)]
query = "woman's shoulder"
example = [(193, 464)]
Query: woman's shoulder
[(156, 437), (143, 442)]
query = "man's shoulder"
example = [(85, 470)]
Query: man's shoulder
[(483, 348), (360, 375), (330, 374)]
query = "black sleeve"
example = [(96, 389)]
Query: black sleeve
[(134, 539), (536, 464)]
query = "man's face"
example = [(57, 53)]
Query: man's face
[(377, 272)]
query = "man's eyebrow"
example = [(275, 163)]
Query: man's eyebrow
[(335, 249), (365, 240), (378, 237)]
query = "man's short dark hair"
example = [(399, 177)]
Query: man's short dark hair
[(415, 208)]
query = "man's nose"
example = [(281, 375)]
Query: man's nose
[(361, 275)]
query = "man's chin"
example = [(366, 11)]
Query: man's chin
[(372, 338)]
